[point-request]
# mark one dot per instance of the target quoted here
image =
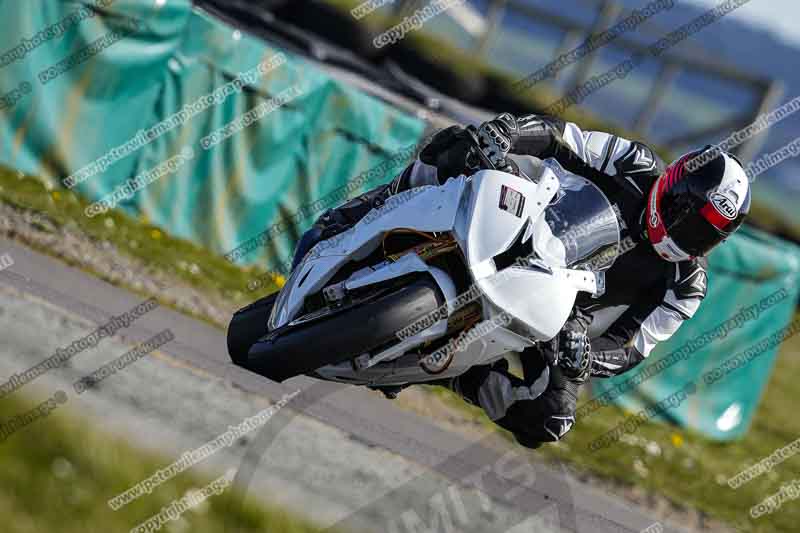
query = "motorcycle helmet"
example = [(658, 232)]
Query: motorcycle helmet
[(697, 203)]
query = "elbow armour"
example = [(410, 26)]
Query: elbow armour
[(609, 363)]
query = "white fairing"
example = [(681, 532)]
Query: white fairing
[(541, 300), (486, 213), (423, 209)]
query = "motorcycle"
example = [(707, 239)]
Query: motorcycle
[(436, 280)]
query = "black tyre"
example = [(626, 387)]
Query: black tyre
[(247, 326), (343, 336)]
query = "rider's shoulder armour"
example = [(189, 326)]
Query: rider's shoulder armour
[(691, 279), (639, 159)]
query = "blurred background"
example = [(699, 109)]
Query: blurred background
[(700, 91), (217, 232)]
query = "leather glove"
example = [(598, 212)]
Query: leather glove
[(497, 137), (449, 151), (571, 351), (330, 223)]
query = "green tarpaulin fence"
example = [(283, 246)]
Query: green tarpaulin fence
[(142, 99), (324, 134), (727, 350)]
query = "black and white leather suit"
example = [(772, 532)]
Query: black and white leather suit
[(646, 299)]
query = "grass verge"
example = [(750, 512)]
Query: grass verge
[(59, 474), (176, 259), (686, 468)]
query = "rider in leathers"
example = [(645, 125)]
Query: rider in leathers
[(670, 218)]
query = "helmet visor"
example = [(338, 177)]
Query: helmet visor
[(694, 234)]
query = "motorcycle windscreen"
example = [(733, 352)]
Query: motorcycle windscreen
[(580, 229)]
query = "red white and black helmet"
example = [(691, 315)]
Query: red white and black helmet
[(689, 212)]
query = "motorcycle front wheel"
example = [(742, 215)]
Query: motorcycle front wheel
[(343, 336), (247, 326)]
